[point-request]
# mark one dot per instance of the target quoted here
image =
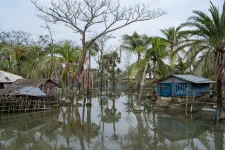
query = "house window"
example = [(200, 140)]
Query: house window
[(180, 88)]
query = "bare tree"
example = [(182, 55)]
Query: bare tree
[(20, 38), (105, 15)]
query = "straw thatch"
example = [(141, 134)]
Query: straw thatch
[(46, 85)]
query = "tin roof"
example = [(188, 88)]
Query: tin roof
[(31, 91), (193, 79), (6, 77), (22, 90)]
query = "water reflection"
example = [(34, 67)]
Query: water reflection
[(109, 123)]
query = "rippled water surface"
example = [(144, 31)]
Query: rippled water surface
[(110, 124)]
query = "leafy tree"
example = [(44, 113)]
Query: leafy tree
[(82, 16), (69, 55), (110, 62), (175, 39), (133, 43), (208, 34)]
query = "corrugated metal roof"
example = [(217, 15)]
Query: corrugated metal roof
[(193, 79), (31, 91), (6, 77)]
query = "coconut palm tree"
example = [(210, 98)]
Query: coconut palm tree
[(35, 57), (208, 32), (110, 62), (175, 39), (157, 53), (154, 49), (69, 56), (133, 43)]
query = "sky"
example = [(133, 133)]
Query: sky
[(22, 15)]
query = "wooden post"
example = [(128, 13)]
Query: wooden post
[(192, 105), (186, 103), (26, 103)]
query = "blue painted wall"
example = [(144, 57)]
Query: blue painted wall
[(177, 87)]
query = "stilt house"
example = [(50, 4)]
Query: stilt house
[(183, 85)]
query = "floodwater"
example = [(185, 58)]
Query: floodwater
[(110, 124)]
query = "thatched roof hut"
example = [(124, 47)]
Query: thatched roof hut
[(46, 86)]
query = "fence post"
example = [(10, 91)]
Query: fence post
[(186, 103)]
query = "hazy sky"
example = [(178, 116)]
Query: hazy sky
[(21, 15)]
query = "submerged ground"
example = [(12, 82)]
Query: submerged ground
[(110, 124)]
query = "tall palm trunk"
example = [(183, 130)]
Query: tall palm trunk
[(139, 56), (154, 80), (89, 67), (139, 84), (102, 71), (219, 62), (68, 77), (143, 79), (114, 77)]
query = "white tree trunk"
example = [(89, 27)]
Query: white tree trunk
[(143, 79)]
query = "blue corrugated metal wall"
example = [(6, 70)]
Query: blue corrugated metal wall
[(180, 89), (201, 89)]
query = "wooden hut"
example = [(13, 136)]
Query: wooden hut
[(7, 78), (183, 85), (16, 98), (26, 95)]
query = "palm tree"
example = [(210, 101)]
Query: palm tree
[(35, 55), (157, 53), (133, 43), (175, 39), (110, 62), (208, 34), (69, 56), (181, 66)]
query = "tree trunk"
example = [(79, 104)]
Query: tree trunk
[(219, 62), (68, 78), (114, 77), (154, 80), (143, 79), (88, 81), (139, 56), (81, 67), (102, 70), (219, 93)]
